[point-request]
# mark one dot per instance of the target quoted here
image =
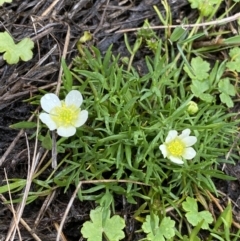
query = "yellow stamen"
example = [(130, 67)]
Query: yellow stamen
[(176, 147), (65, 115)]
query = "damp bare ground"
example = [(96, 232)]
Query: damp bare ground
[(55, 27)]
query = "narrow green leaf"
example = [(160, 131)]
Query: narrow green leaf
[(47, 142), (24, 125), (67, 80)]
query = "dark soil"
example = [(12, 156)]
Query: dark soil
[(47, 25)]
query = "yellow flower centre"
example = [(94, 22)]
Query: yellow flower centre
[(176, 147), (65, 115)]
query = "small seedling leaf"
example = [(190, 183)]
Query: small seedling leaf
[(193, 216), (207, 217), (13, 52), (190, 205), (102, 224), (156, 232)]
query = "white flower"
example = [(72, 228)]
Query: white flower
[(177, 147), (64, 116)]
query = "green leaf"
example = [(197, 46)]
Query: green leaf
[(207, 98), (200, 68), (226, 99), (198, 87), (13, 52), (67, 79), (158, 233), (225, 215), (232, 40), (234, 63), (190, 205), (227, 90), (102, 224), (193, 216), (47, 142), (177, 34), (18, 184), (205, 7), (201, 86), (4, 1), (24, 125)]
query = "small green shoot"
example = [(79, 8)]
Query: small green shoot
[(102, 225), (158, 232), (13, 52), (194, 216)]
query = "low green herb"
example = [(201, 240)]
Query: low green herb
[(13, 52), (102, 225), (158, 231), (194, 216)]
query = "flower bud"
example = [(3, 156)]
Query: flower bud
[(192, 108)]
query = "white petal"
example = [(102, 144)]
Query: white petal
[(82, 118), (46, 119), (189, 153), (163, 149), (74, 97), (189, 140), (66, 131), (171, 135), (185, 133), (49, 101), (175, 159)]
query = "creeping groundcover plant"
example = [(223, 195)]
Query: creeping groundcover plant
[(177, 148), (144, 119), (65, 116)]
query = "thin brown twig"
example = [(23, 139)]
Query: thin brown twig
[(21, 219), (14, 220), (67, 211), (49, 9), (64, 54), (16, 139), (26, 191), (215, 22)]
